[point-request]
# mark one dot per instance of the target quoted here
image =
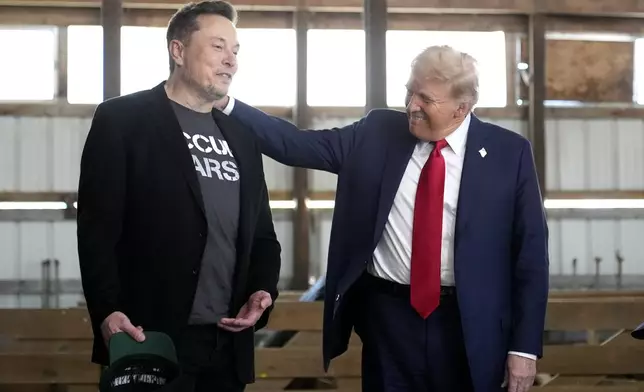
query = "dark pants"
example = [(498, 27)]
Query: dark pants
[(206, 357), (401, 351)]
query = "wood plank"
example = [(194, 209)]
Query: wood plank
[(65, 16), (563, 314), (48, 368), (277, 194), (592, 360), (47, 388), (52, 324), (569, 314), (253, 388), (75, 368), (64, 109), (46, 346), (586, 388), (559, 7)]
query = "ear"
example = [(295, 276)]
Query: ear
[(176, 49), (462, 110)]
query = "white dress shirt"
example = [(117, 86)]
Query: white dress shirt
[(392, 257)]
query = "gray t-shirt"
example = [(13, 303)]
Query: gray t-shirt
[(219, 180)]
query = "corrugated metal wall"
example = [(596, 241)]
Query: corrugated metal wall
[(42, 154)]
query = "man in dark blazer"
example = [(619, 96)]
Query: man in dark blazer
[(175, 232), (443, 301)]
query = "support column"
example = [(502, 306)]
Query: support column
[(301, 116), (537, 90), (111, 20), (375, 28)]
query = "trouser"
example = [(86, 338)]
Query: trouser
[(206, 356), (403, 352)]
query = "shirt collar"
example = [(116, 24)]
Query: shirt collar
[(457, 139)]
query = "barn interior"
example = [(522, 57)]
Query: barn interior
[(567, 75)]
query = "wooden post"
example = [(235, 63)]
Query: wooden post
[(301, 116), (111, 20)]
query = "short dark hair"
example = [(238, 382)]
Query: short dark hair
[(184, 22)]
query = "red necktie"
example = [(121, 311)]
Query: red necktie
[(427, 234)]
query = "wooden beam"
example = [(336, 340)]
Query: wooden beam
[(64, 109), (59, 16), (302, 118), (510, 23), (524, 7), (294, 362), (276, 194), (61, 65), (111, 20), (375, 27), (537, 94), (564, 314)]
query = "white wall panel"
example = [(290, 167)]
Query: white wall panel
[(597, 154), (8, 151), (24, 245), (586, 239), (569, 238), (43, 154), (630, 147)]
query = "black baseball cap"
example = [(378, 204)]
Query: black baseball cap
[(145, 366), (638, 333)]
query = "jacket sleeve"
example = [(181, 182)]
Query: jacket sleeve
[(531, 261), (265, 257), (101, 199), (281, 140)]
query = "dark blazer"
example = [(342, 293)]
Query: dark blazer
[(501, 246), (142, 226)]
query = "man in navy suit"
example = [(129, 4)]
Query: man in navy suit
[(439, 247)]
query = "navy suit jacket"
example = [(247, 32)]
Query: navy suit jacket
[(501, 240)]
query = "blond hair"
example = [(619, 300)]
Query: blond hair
[(445, 64)]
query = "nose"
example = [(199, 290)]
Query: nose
[(230, 59), (412, 104)]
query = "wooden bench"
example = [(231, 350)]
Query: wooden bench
[(41, 348)]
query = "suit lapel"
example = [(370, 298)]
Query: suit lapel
[(472, 177), (175, 142), (243, 155), (399, 151)]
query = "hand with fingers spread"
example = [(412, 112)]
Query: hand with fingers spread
[(249, 313), (118, 322)]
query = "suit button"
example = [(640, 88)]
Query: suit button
[(337, 297), (194, 272), (201, 235)]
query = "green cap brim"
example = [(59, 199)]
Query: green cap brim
[(156, 343)]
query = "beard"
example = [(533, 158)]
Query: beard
[(212, 93)]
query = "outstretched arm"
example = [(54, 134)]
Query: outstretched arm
[(281, 140)]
